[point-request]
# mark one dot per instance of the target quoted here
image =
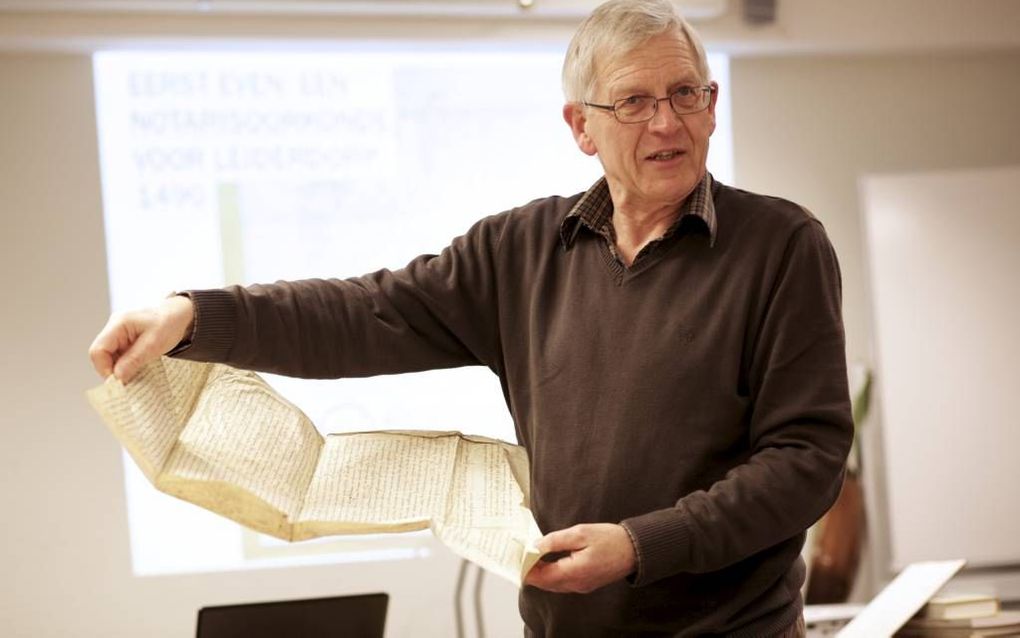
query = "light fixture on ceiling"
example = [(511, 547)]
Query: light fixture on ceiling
[(759, 12)]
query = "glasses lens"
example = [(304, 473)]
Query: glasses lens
[(635, 108), (689, 99)]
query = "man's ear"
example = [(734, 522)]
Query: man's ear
[(711, 105), (576, 118)]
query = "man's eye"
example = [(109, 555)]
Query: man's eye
[(685, 91), (632, 100)]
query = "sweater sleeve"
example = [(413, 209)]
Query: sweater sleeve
[(800, 430), (437, 312)]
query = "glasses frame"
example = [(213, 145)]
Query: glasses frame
[(705, 88)]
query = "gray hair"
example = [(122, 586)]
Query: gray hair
[(615, 28)]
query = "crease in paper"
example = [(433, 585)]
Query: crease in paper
[(221, 438)]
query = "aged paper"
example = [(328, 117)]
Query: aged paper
[(377, 482), (265, 447), (223, 439), (487, 512), (148, 416)]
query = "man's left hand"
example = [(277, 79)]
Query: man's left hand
[(599, 554)]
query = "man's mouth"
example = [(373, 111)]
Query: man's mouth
[(662, 156)]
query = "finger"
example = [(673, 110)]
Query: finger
[(141, 352), (552, 557), (106, 347), (535, 574), (102, 360), (567, 576), (563, 540), (547, 576)]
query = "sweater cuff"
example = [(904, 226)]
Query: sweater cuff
[(212, 335), (662, 541)]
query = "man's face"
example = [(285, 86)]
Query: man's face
[(653, 164)]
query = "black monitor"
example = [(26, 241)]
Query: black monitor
[(361, 616)]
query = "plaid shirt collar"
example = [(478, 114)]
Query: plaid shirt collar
[(595, 211)]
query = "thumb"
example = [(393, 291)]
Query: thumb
[(141, 352), (564, 540)]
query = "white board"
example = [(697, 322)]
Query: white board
[(944, 261)]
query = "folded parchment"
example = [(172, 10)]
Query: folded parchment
[(223, 439)]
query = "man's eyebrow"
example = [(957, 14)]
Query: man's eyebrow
[(626, 90), (689, 80), (630, 89)]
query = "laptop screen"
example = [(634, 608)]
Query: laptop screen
[(361, 616)]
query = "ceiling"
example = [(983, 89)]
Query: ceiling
[(799, 27)]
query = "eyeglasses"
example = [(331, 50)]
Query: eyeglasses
[(641, 108)]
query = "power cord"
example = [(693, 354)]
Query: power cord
[(458, 595)]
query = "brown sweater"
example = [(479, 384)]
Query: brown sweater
[(700, 398)]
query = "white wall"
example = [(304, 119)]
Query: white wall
[(943, 262), (802, 129), (808, 128)]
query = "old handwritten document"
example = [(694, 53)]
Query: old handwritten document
[(223, 439)]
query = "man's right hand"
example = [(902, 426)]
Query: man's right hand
[(132, 339)]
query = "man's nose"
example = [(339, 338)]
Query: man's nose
[(665, 117)]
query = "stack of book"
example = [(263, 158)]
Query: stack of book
[(962, 616)]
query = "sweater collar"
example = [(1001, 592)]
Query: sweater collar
[(595, 211)]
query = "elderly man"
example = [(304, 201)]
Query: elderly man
[(670, 348)]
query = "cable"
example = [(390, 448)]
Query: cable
[(478, 601), (458, 590)]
